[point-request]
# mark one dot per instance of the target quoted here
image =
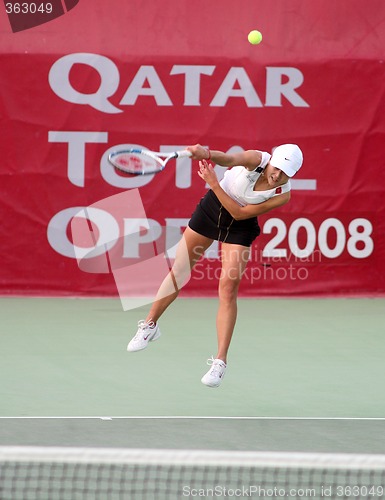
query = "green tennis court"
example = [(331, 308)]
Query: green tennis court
[(308, 377)]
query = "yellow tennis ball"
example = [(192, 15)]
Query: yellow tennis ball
[(254, 37)]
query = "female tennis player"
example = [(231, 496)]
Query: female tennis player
[(257, 183)]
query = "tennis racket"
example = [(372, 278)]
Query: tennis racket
[(142, 161)]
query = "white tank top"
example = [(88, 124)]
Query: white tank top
[(238, 183)]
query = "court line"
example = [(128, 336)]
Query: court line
[(173, 417)]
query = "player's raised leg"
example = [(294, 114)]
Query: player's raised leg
[(190, 249)]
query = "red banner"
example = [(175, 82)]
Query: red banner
[(163, 77)]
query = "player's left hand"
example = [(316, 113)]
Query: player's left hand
[(207, 173)]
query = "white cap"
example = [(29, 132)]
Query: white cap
[(287, 158)]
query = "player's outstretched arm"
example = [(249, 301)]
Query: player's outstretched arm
[(249, 159)]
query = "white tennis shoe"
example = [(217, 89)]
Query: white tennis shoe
[(214, 376), (147, 332)]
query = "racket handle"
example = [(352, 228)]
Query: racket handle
[(184, 153)]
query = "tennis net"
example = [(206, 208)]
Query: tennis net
[(50, 473)]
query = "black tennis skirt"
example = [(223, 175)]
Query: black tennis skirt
[(212, 220)]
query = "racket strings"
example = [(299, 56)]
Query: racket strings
[(136, 163), (142, 162)]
